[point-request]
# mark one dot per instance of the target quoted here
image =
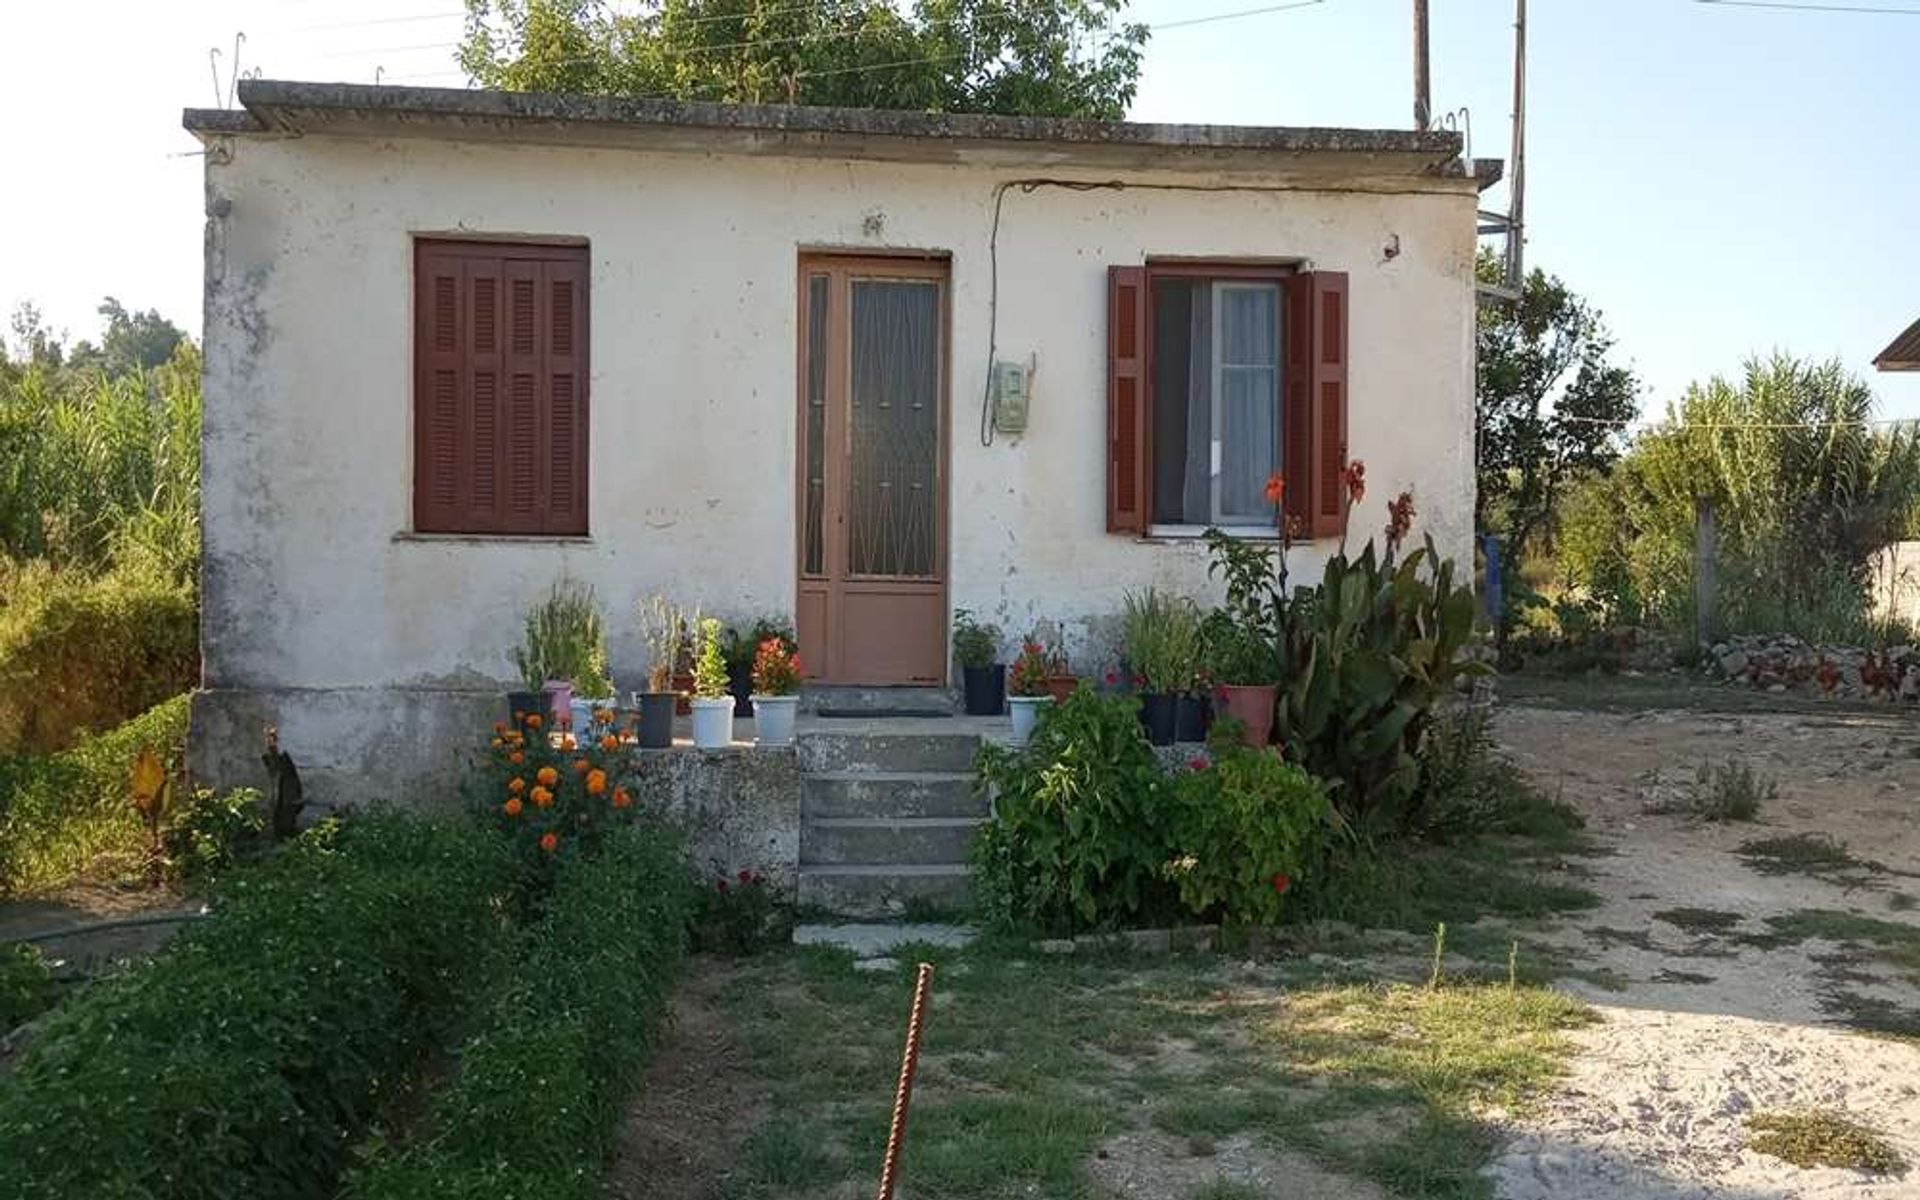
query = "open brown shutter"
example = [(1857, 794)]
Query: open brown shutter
[(1126, 400), (1316, 401), (565, 284)]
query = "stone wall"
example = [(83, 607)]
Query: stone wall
[(1784, 663)]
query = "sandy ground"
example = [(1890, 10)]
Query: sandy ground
[(1706, 1030)]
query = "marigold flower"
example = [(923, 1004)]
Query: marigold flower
[(516, 785), (1276, 488), (533, 720), (567, 742), (610, 742), (500, 727), (541, 797), (1281, 883), (621, 797), (596, 782), (547, 777), (513, 806), (549, 842), (581, 766), (516, 758)]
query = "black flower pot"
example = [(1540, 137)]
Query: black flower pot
[(656, 720), (740, 684), (1195, 714), (986, 689), (1159, 712), (520, 705)]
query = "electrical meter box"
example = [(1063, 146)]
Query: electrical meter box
[(1012, 382)]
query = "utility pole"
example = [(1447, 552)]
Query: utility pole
[(1422, 89), (1517, 197)]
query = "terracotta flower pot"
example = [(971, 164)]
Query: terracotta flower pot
[(1061, 686), (1252, 705)]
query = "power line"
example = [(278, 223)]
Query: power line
[(1790, 6)]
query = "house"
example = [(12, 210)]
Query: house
[(1903, 353), (859, 367)]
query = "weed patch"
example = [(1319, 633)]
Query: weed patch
[(1820, 1138), (1731, 791), (1699, 920), (1801, 854)]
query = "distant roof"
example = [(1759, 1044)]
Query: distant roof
[(272, 106), (1904, 353)]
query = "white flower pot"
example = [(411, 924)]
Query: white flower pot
[(1026, 713), (581, 713), (773, 719), (713, 722)]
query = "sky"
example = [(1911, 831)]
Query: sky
[(1719, 179)]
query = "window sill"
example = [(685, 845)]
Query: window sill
[(1193, 533), (497, 539)]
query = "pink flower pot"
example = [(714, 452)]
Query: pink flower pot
[(1252, 705)]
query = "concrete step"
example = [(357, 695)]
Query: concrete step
[(875, 701), (890, 794), (909, 841), (830, 751), (873, 890)]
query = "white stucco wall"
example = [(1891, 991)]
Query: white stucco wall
[(312, 584)]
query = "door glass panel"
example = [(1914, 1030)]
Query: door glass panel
[(894, 426), (1246, 344), (814, 542)]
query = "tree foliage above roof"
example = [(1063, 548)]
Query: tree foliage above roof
[(1052, 58)]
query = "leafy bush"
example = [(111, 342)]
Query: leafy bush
[(554, 795), (211, 831), (1468, 788), (974, 644), (740, 914), (565, 640), (67, 814), (26, 986), (80, 654), (1081, 829), (1245, 828), (243, 1059), (536, 1101)]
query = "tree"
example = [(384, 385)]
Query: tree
[(1551, 407), (1055, 58), (131, 342)]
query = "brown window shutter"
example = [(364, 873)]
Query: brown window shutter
[(1329, 401), (1127, 449), (500, 399), (1315, 419)]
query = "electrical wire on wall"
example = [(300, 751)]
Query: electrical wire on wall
[(1029, 186)]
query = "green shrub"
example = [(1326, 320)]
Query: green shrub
[(553, 796), (566, 640), (26, 986), (1081, 832), (68, 814), (532, 1112), (244, 1059), (1468, 788), (211, 831), (1730, 791), (1245, 828), (740, 914), (80, 654)]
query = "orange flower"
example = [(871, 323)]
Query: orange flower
[(500, 728), (567, 742), (513, 806), (516, 785), (549, 842), (547, 777), (596, 782), (516, 758), (533, 720), (610, 742), (541, 797), (581, 766), (1276, 488), (621, 797)]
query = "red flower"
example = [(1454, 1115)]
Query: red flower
[(745, 876), (720, 885), (1276, 488), (1140, 681), (1113, 677), (1220, 693), (1197, 764), (1355, 477), (1280, 883)]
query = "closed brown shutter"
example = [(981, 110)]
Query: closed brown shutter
[(1315, 420), (1127, 400), (500, 403)]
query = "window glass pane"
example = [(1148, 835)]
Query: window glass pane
[(1182, 402), (816, 449), (894, 432), (1246, 400), (1248, 329)]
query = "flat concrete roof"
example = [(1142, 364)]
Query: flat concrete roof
[(273, 107)]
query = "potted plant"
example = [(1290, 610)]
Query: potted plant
[(1162, 637), (1249, 670), (664, 629), (984, 680), (1027, 688), (776, 688), (565, 647), (712, 702), (1060, 677), (738, 650)]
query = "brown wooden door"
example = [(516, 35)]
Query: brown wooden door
[(873, 470)]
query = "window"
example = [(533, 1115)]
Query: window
[(500, 388), (1218, 377)]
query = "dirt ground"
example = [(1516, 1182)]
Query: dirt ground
[(1717, 1016)]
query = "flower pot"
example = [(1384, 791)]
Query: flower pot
[(559, 699), (1026, 714), (1253, 705), (712, 722), (656, 719), (1159, 712), (521, 705), (1190, 723), (740, 684), (986, 689), (773, 719), (580, 711), (1059, 687), (683, 693)]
